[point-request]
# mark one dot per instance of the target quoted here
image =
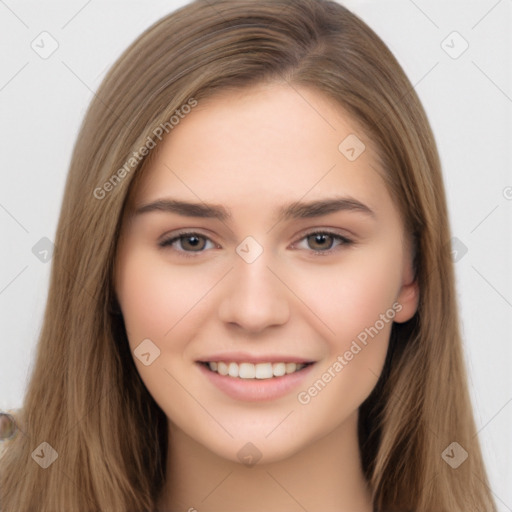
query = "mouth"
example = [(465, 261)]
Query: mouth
[(257, 380), (250, 371)]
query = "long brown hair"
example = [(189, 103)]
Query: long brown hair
[(85, 397)]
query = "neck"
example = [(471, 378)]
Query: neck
[(324, 476)]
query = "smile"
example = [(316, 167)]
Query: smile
[(254, 371), (255, 381)]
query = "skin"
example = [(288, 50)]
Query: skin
[(253, 151)]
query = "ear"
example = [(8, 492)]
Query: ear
[(409, 294)]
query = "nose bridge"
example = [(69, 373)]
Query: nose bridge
[(254, 297)]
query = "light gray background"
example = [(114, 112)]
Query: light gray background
[(468, 100)]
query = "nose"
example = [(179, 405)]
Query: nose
[(254, 297)]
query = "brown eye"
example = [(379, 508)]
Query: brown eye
[(320, 241), (186, 243), (192, 242), (323, 242)]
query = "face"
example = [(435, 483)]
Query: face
[(287, 274)]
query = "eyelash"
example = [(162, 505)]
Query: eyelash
[(344, 241)]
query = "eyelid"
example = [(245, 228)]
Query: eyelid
[(167, 240), (344, 240), (171, 239)]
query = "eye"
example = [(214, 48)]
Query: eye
[(322, 242), (190, 243)]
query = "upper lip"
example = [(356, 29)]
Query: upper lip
[(238, 357)]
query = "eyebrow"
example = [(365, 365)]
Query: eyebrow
[(295, 210)]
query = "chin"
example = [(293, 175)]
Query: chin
[(250, 449)]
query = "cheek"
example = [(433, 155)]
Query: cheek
[(355, 301), (159, 302), (143, 296), (351, 295), (155, 296)]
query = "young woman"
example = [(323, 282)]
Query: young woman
[(252, 301)]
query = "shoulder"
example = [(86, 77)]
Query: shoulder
[(8, 428)]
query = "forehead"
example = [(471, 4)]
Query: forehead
[(264, 145)]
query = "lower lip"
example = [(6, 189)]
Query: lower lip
[(256, 390)]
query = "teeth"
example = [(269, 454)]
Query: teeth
[(279, 369), (290, 367), (254, 371), (247, 371), (222, 368), (264, 371), (233, 370)]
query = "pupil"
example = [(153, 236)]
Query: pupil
[(320, 239), (193, 241)]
